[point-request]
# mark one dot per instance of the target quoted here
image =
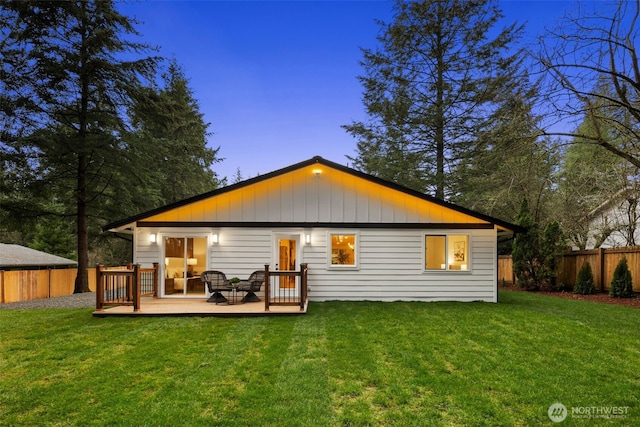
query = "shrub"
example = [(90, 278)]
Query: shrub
[(622, 284), (550, 253), (536, 254), (525, 248), (584, 283)]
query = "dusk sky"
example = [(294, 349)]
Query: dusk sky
[(276, 80)]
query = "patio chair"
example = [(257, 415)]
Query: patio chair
[(251, 286), (216, 282)]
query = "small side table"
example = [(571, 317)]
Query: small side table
[(234, 292)]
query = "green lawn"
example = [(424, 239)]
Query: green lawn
[(343, 364)]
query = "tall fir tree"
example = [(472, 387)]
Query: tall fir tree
[(170, 132), (430, 88), (65, 87), (508, 161)]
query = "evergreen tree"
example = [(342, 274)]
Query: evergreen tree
[(170, 136), (525, 249), (584, 283), (430, 89), (238, 176), (551, 249), (508, 162), (536, 255), (54, 236), (65, 86), (622, 282)]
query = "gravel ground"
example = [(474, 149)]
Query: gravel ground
[(87, 299)]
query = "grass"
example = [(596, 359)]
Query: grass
[(343, 364)]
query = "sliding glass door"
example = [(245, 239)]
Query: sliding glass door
[(185, 258)]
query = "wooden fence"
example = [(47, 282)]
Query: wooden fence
[(603, 263), (27, 285)]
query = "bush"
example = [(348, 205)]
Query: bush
[(525, 249), (622, 284), (584, 283), (536, 254)]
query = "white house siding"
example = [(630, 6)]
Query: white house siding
[(391, 268), (616, 217), (390, 262), (146, 253)]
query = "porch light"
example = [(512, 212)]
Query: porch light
[(307, 238), (214, 238), (152, 237)]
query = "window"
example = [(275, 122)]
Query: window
[(446, 252), (344, 250)]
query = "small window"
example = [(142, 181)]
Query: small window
[(446, 252), (344, 250)]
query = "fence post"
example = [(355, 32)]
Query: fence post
[(267, 290), (137, 277), (303, 282), (99, 289), (601, 267), (155, 279)]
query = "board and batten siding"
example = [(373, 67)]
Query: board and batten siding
[(390, 262), (303, 196)]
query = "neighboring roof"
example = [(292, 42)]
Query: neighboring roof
[(120, 225), (13, 256)]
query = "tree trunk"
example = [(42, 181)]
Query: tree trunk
[(439, 122), (82, 279)]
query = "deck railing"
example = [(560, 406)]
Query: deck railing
[(125, 285), (285, 287)]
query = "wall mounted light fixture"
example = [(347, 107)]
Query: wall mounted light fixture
[(214, 238), (152, 237)]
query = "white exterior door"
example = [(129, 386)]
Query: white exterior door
[(286, 257)]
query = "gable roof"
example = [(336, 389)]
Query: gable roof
[(191, 211), (14, 256)]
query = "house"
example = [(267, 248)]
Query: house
[(616, 222), (361, 237)]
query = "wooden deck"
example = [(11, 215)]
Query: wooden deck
[(199, 307)]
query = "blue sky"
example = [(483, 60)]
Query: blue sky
[(277, 79)]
